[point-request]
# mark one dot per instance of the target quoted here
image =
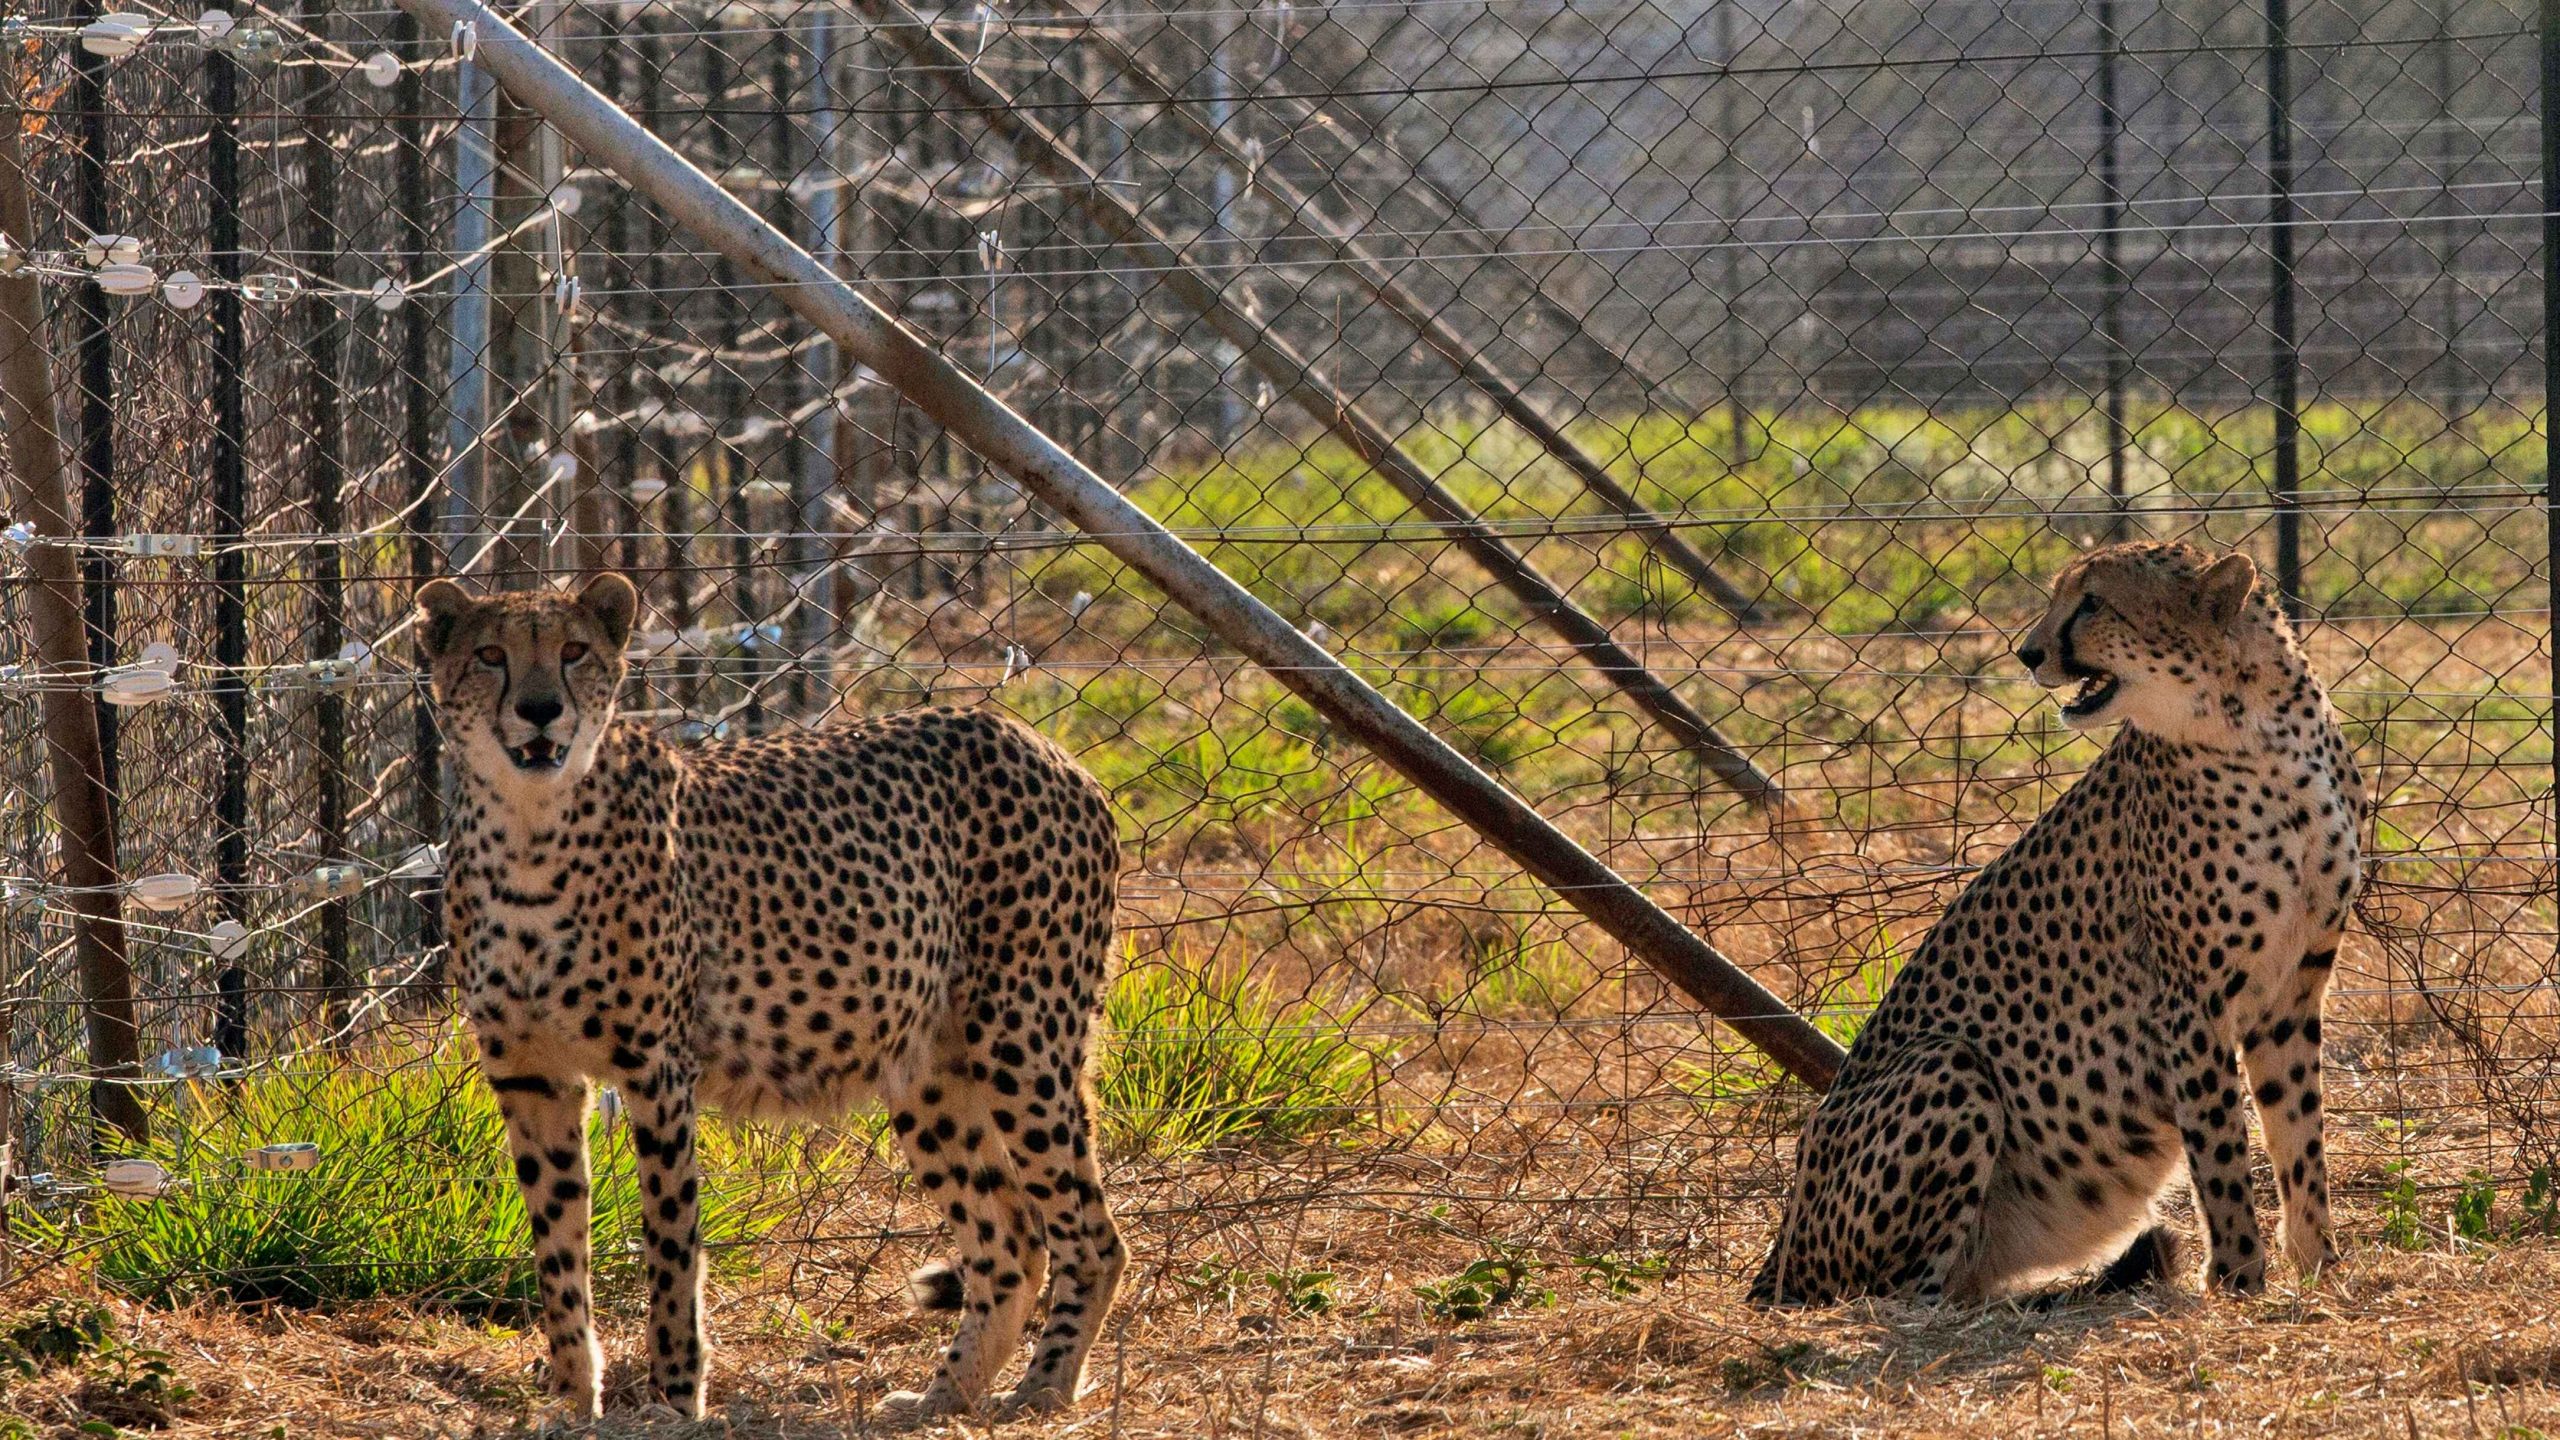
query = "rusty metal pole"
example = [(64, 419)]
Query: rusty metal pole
[(1301, 210), (78, 762), (999, 434), (1329, 405)]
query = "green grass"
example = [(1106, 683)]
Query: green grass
[(412, 1197), (1211, 1058)]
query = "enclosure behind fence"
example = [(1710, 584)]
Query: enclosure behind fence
[(1677, 409)]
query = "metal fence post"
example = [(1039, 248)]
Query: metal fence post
[(2550, 100), (74, 748), (2284, 358), (230, 562), (419, 408), (324, 471), (2111, 277), (869, 336)]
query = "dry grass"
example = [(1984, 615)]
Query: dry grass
[(2395, 1344)]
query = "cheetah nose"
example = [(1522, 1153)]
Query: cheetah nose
[(2031, 656), (538, 713)]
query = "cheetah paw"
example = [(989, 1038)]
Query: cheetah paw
[(559, 1413), (914, 1407), (1029, 1400)]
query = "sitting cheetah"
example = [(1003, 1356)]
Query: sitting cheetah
[(2067, 1032), (917, 909)]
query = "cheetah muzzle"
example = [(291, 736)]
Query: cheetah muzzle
[(916, 910), (2100, 1006)]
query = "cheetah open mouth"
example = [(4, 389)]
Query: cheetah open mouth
[(2096, 689), (540, 755)]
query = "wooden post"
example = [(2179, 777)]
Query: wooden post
[(324, 468), (72, 748)]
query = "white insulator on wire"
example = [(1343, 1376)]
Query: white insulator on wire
[(1082, 602), (271, 287), (183, 1062), (645, 489), (153, 677), (765, 487), (389, 296), (560, 467), (567, 198), (423, 862), (183, 289), (609, 1104), (169, 891), (103, 250), (115, 36), (214, 24), (991, 251), (466, 41), (381, 69), (1016, 661), (127, 279), (18, 537), (21, 899), (135, 1178), (230, 939), (12, 258), (354, 659), (291, 1155), (327, 882)]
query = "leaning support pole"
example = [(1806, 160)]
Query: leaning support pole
[(1329, 405), (1300, 209), (870, 337), (72, 748)]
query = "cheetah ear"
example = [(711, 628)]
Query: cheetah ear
[(442, 607), (2227, 584), (614, 603)]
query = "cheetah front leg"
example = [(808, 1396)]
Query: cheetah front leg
[(2215, 1127), (662, 1134), (2283, 1057), (547, 1129)]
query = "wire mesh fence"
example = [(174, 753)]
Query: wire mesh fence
[(1676, 407)]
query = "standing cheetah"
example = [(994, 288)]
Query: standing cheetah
[(917, 909), (2067, 1033)]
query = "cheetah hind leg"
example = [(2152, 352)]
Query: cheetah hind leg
[(961, 1165), (1063, 1176), (1891, 1183)]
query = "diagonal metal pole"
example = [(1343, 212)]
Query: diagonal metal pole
[(81, 802), (1330, 406), (1005, 439), (1302, 211)]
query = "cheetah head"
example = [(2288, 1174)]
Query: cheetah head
[(2168, 638), (525, 682)]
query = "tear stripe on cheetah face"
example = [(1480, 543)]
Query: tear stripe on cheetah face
[(917, 909), (2166, 638), (525, 682), (2110, 996)]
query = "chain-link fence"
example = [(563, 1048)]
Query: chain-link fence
[(1678, 408)]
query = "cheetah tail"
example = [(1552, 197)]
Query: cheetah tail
[(935, 1287)]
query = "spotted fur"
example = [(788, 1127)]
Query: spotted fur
[(917, 909), (2092, 1009)]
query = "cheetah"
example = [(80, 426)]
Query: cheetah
[(917, 909), (2067, 1033)]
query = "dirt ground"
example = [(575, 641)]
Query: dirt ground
[(2444, 1342)]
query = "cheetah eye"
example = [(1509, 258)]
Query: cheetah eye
[(2089, 603), (490, 655), (573, 652)]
